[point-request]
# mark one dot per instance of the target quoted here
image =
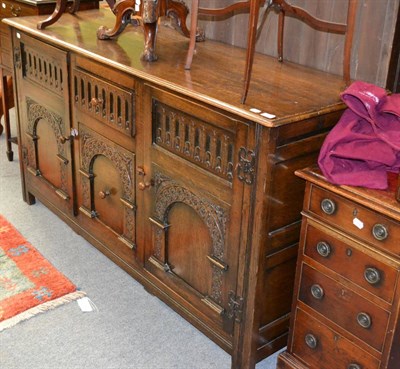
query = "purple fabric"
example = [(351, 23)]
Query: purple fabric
[(365, 143)]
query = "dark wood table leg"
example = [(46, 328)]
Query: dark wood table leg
[(5, 105), (122, 11), (150, 14), (177, 10), (61, 7), (150, 11)]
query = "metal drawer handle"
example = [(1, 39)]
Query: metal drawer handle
[(328, 206), (364, 320), (324, 249), (317, 291), (354, 366), (372, 275), (15, 11), (380, 232), (311, 341)]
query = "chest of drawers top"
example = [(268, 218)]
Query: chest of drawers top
[(377, 203)]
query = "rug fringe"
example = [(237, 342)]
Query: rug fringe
[(49, 305)]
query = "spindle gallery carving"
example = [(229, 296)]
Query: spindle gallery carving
[(39, 114), (193, 139), (43, 70), (167, 194), (91, 147), (112, 105)]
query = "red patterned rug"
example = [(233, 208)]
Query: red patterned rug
[(29, 284)]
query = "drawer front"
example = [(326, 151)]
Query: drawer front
[(43, 65), (209, 144), (10, 9), (105, 101), (347, 259), (356, 220), (320, 347), (344, 307)]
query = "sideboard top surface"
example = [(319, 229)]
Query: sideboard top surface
[(289, 91)]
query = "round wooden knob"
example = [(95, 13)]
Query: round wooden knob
[(143, 185), (104, 194)]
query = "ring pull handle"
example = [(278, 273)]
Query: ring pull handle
[(380, 232), (311, 341), (364, 320), (317, 291), (324, 249), (328, 206), (372, 275), (354, 366)]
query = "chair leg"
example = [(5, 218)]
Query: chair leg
[(351, 15), (281, 25), (193, 31), (251, 46)]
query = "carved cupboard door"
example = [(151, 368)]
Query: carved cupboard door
[(106, 192), (195, 199), (41, 75)]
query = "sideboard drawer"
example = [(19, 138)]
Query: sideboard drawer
[(356, 220), (363, 319), (105, 101), (350, 261), (320, 347)]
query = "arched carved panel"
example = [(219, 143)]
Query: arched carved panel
[(92, 146), (167, 193), (35, 113)]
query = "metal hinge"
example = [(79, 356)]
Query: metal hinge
[(246, 170), (235, 307)]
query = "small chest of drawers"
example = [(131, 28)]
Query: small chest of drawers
[(345, 312)]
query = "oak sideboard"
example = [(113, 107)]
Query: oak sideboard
[(164, 171)]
